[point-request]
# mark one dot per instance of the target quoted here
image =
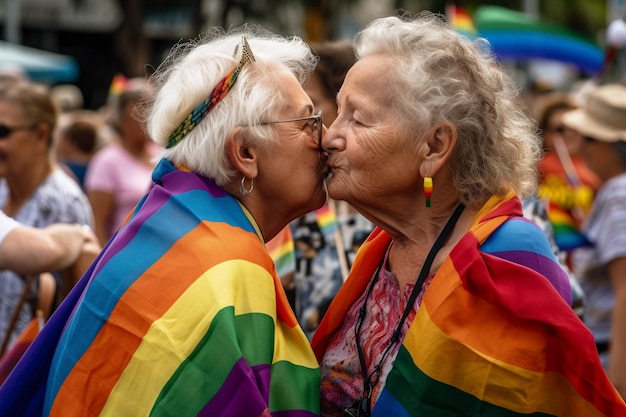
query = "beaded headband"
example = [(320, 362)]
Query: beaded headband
[(218, 93)]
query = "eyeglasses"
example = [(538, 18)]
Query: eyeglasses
[(315, 125), (5, 131)]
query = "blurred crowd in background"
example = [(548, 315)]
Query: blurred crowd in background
[(102, 71)]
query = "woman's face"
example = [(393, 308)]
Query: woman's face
[(372, 150), (23, 147), (130, 128), (291, 170)]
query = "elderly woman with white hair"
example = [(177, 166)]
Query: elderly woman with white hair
[(183, 313), (455, 304)]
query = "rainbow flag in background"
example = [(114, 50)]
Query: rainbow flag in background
[(118, 85), (492, 337), (182, 314), (326, 219), (514, 35), (282, 251), (461, 20), (566, 233)]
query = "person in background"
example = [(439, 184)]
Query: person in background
[(67, 97), (183, 314), (119, 173), (34, 190), (29, 250), (601, 268), (76, 142), (566, 184), (455, 303)]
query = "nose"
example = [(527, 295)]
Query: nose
[(332, 139)]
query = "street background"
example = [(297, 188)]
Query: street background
[(131, 37)]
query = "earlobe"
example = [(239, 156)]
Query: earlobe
[(241, 154)]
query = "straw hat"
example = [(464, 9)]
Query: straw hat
[(603, 116)]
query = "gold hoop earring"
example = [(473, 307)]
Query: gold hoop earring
[(242, 186)]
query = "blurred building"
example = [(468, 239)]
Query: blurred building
[(132, 36)]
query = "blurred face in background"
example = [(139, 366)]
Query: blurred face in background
[(571, 138), (130, 128), (25, 145)]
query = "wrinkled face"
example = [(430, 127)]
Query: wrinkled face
[(291, 170), (24, 146), (372, 150)]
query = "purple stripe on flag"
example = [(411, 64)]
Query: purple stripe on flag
[(241, 377), (551, 270)]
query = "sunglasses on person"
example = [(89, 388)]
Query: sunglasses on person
[(315, 124), (6, 131)]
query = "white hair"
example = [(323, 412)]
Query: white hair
[(191, 72)]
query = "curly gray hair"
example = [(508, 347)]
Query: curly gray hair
[(442, 76)]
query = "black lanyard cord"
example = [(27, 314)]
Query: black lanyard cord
[(369, 381)]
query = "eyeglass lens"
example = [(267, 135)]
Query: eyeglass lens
[(5, 131)]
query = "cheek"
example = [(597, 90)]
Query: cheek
[(368, 150)]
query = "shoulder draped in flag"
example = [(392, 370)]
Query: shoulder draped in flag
[(182, 314), (492, 336)]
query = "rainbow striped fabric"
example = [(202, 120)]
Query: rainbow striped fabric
[(492, 337), (182, 315)]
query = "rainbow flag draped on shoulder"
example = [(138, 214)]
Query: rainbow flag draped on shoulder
[(181, 315), (492, 337)]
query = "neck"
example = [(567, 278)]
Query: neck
[(410, 249)]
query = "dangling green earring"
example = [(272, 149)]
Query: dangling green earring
[(428, 189)]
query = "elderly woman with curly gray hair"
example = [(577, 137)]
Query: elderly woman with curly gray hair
[(455, 304)]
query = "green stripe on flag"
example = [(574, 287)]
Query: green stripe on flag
[(421, 395), (199, 377), (298, 376)]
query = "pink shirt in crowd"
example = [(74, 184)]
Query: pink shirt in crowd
[(114, 170)]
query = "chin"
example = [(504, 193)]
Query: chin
[(335, 190), (318, 198)]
